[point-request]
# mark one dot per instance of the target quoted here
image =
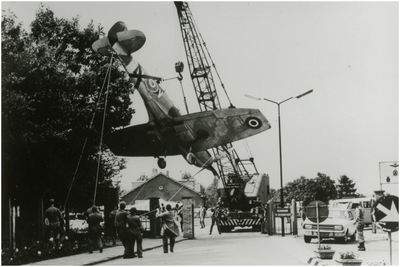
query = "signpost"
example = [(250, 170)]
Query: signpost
[(317, 211), (385, 211), (282, 212)]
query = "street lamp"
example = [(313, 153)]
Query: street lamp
[(280, 142)]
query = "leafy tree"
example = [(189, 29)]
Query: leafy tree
[(52, 104), (307, 190), (274, 195), (345, 188), (212, 193)]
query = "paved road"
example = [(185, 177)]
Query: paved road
[(241, 247), (237, 248)]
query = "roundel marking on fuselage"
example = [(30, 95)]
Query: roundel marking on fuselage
[(253, 122), (152, 85)]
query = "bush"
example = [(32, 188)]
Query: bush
[(38, 250)]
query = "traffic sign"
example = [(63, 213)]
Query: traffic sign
[(317, 211), (282, 212), (386, 212)]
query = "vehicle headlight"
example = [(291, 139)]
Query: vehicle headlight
[(307, 226), (338, 227)]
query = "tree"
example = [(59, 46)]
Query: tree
[(51, 84), (212, 193), (303, 189), (345, 188)]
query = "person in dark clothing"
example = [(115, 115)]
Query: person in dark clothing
[(54, 221), (180, 214), (134, 233), (120, 224), (215, 219), (95, 230), (113, 230), (89, 210), (169, 229)]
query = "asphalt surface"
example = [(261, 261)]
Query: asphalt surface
[(378, 250)]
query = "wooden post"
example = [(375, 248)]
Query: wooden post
[(155, 224)]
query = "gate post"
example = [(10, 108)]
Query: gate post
[(155, 224), (294, 217), (188, 218), (271, 218)]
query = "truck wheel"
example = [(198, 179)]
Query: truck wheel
[(307, 239)]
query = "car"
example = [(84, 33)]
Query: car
[(339, 225), (366, 204), (77, 223)]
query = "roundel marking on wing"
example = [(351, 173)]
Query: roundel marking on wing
[(253, 122)]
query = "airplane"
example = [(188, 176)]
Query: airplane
[(168, 132)]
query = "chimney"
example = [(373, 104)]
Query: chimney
[(167, 173), (154, 174)]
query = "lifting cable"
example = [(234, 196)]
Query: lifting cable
[(90, 126), (102, 131)]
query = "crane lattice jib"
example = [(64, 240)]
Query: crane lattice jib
[(199, 67), (205, 89)]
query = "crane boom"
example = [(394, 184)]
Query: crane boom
[(233, 171)]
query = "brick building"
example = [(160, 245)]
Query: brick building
[(165, 188)]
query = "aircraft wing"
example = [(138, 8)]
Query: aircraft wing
[(139, 141), (200, 131), (219, 127)]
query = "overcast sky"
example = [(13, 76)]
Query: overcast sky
[(347, 52)]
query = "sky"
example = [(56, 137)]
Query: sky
[(347, 52)]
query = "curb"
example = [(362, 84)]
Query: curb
[(120, 256)]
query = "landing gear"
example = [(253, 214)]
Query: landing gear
[(161, 163)]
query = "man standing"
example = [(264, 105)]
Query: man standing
[(95, 229), (215, 219), (120, 224), (169, 229), (112, 228), (360, 226), (135, 233), (202, 214), (54, 221)]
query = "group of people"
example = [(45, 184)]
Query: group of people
[(129, 229), (215, 217)]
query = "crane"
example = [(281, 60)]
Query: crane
[(233, 171)]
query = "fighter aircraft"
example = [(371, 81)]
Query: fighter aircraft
[(168, 132)]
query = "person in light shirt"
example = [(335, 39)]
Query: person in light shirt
[(360, 226)]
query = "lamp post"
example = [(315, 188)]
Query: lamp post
[(280, 142)]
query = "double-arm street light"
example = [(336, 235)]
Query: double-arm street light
[(280, 143)]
